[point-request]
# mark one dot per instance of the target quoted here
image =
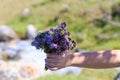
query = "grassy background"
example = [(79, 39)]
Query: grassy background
[(83, 18), (87, 74)]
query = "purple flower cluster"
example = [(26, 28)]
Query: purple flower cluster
[(55, 40)]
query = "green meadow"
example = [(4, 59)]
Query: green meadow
[(85, 19), (87, 74)]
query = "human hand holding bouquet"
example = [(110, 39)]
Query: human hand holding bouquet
[(55, 41)]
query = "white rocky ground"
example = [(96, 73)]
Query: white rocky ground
[(25, 62)]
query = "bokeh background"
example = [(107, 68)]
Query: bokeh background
[(94, 24)]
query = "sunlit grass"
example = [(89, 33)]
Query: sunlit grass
[(87, 74), (65, 77), (12, 8), (78, 14)]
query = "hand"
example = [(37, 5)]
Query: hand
[(58, 61)]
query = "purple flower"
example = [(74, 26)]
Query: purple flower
[(63, 25), (53, 46), (34, 43), (55, 40)]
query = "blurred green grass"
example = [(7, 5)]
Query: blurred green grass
[(80, 16), (87, 74)]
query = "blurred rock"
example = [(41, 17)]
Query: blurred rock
[(64, 9), (69, 70), (26, 12), (7, 33), (66, 6), (13, 54), (30, 65), (19, 70), (31, 31), (10, 51), (117, 77)]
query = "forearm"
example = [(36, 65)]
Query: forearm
[(100, 59)]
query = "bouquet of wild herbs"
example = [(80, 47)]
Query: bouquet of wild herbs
[(54, 41)]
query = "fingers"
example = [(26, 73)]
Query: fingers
[(51, 67), (52, 55), (52, 64), (55, 55), (51, 60), (56, 61)]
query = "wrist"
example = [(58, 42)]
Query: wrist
[(69, 59), (76, 59)]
